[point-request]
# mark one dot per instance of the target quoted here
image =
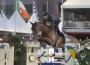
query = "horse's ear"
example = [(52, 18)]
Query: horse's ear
[(35, 22)]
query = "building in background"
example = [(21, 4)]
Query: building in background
[(76, 18), (8, 6)]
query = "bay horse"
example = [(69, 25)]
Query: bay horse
[(50, 36)]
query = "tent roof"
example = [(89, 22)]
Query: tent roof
[(76, 4), (19, 23), (29, 25), (5, 25), (1, 26)]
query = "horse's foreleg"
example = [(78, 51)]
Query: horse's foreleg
[(44, 39)]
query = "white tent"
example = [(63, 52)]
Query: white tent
[(29, 25), (1, 28), (10, 26), (5, 25), (19, 23), (76, 4)]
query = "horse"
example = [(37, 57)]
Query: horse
[(50, 36)]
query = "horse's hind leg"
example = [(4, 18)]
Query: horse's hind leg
[(61, 46)]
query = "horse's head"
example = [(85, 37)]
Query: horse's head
[(34, 28), (37, 28)]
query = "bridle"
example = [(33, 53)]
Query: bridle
[(38, 33)]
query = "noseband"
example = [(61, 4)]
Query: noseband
[(38, 34)]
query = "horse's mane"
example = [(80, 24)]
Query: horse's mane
[(33, 26)]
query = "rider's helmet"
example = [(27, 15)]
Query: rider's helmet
[(45, 13)]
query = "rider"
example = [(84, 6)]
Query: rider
[(52, 20)]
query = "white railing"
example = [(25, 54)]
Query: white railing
[(7, 47), (77, 24)]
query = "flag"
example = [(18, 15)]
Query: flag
[(72, 51), (34, 16), (21, 8)]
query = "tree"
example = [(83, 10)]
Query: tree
[(19, 49)]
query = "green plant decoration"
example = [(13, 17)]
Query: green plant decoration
[(84, 55)]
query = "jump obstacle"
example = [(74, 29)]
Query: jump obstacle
[(49, 56), (35, 55)]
